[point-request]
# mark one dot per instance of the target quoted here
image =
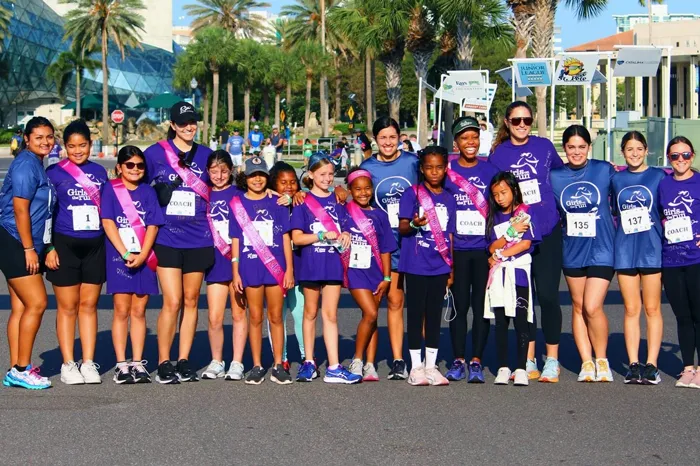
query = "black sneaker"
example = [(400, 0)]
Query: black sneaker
[(139, 372), (166, 373), (280, 375), (650, 375), (634, 374), (398, 370), (255, 376), (185, 372), (122, 374)]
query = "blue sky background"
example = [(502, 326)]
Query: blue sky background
[(573, 31)]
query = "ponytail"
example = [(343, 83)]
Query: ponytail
[(503, 133)]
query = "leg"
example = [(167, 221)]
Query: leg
[(480, 326), (368, 323), (580, 330), (596, 320), (240, 323), (30, 290), (651, 295), (191, 284), (502, 324), (217, 294), (298, 316), (415, 313), (629, 288), (120, 324), (87, 319), (546, 273), (138, 325), (461, 291), (275, 302), (311, 295), (171, 286), (330, 295), (17, 309), (67, 302), (692, 283), (522, 329), (675, 283), (254, 296), (433, 315), (395, 303)]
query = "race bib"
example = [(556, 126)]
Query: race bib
[(130, 240), (678, 230), (442, 216), (531, 191), (393, 211), (360, 256), (47, 230), (181, 204), (635, 220), (470, 222), (580, 225), (501, 229), (85, 218), (221, 227), (265, 232)]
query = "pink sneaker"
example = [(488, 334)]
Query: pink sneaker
[(435, 377), (686, 378), (417, 376), (695, 383)]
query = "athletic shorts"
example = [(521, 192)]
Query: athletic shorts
[(594, 271), (12, 261), (237, 160), (82, 260), (188, 260), (319, 283), (638, 271)]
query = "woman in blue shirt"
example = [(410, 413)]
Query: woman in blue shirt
[(26, 206)]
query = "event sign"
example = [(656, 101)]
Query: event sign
[(637, 62), (457, 86), (507, 75), (533, 73), (576, 69)]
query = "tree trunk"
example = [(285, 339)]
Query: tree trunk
[(214, 103), (465, 51), (392, 72), (289, 98), (421, 61), (368, 91), (77, 93), (105, 92), (541, 94), (277, 107), (324, 106), (307, 109), (338, 83), (205, 129), (246, 111), (523, 22), (545, 11), (373, 87), (266, 104), (229, 88)]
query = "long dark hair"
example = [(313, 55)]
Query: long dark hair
[(36, 122), (512, 182), (125, 154), (221, 156), (242, 180), (171, 133), (503, 133)]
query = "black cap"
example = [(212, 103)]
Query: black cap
[(255, 165), (464, 123), (183, 112)]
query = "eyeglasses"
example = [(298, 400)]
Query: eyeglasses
[(516, 121), (677, 155), (132, 165)]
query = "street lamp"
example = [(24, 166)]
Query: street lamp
[(193, 85)]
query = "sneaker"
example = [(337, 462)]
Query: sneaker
[(685, 378), (417, 376), (89, 371), (398, 370), (280, 375), (29, 379), (341, 375), (634, 374), (503, 376), (356, 367), (521, 378), (695, 383), (185, 372), (286, 365), (550, 372), (587, 373), (139, 372), (215, 370), (457, 371), (256, 376), (166, 373), (651, 375), (235, 372), (70, 374), (435, 377), (476, 373), (369, 373), (122, 374), (307, 372), (531, 368), (602, 371)]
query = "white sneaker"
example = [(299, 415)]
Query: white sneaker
[(521, 378), (587, 373), (602, 371), (215, 370), (356, 367), (70, 374), (503, 376), (88, 369), (235, 372)]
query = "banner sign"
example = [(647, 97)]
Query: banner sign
[(637, 62), (507, 75), (576, 69), (481, 105), (462, 85), (599, 78), (532, 74)]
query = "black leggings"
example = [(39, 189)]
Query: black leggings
[(471, 269), (522, 330), (424, 297), (546, 275), (682, 285)]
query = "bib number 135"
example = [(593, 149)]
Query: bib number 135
[(581, 225)]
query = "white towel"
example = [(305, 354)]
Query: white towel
[(502, 293)]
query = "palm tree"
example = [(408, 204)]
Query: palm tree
[(312, 57), (232, 15), (93, 23), (62, 69), (189, 65), (5, 17), (246, 66)]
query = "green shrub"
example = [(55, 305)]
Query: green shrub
[(344, 127), (240, 126)]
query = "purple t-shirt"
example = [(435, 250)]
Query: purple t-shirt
[(319, 261), (272, 222), (364, 272), (186, 226), (680, 206), (120, 278), (531, 164), (221, 271), (419, 253), (470, 226), (76, 215)]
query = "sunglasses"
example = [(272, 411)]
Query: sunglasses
[(677, 155), (516, 121), (132, 165)]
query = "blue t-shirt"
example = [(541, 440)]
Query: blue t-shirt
[(27, 179), (634, 191), (583, 198), (235, 144), (680, 204), (255, 138)]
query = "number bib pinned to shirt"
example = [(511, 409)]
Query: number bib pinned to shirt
[(531, 191), (264, 230), (85, 218), (581, 225), (678, 230), (442, 216), (393, 211), (221, 227), (181, 204), (635, 220), (360, 256), (130, 240), (48, 230), (471, 223)]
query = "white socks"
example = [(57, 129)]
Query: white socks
[(430, 357), (416, 359)]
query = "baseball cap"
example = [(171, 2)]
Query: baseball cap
[(464, 123), (256, 127), (255, 165), (182, 112), (275, 127)]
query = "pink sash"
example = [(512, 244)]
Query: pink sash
[(86, 183), (200, 188), (471, 191), (261, 249), (429, 208), (135, 221), (522, 208), (327, 222)]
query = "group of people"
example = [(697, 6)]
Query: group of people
[(494, 234), (256, 144)]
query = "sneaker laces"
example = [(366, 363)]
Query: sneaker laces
[(34, 372), (91, 365), (123, 369), (139, 366), (456, 364), (603, 366)]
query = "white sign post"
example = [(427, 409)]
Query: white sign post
[(422, 84)]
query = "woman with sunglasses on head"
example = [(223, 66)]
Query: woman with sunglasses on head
[(679, 198), (185, 243), (531, 159)]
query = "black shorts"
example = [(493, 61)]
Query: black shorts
[(319, 283), (638, 271), (594, 271), (82, 260), (187, 260), (12, 261)]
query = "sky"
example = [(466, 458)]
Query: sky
[(573, 31)]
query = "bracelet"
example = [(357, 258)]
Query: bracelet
[(29, 249), (387, 278), (125, 255), (511, 232), (412, 225), (499, 255), (50, 248), (321, 235), (234, 259)]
